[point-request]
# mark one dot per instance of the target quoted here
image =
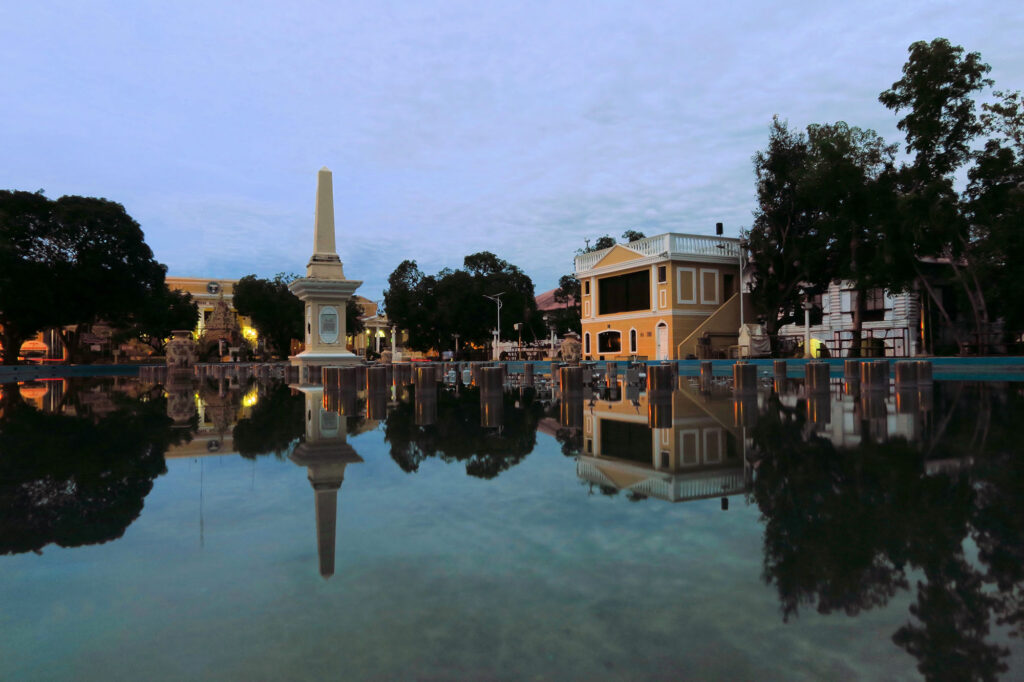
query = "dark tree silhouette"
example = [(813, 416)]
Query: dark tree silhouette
[(78, 480)]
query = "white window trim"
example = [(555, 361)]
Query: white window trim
[(586, 343), (609, 352), (696, 459), (679, 285), (663, 298), (654, 288), (634, 340), (586, 308), (704, 299), (707, 451)]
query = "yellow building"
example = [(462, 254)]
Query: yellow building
[(664, 297), (207, 293)]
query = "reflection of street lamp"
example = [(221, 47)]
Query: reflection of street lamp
[(497, 332), (456, 344)]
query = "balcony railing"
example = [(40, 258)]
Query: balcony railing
[(671, 245)]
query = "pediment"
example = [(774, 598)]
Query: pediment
[(618, 254)]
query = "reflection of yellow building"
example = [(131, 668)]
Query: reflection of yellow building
[(663, 297), (695, 454)]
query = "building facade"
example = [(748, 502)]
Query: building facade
[(891, 324), (665, 297)]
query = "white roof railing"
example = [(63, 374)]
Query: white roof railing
[(671, 245)]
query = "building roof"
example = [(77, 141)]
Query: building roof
[(667, 246), (546, 301)]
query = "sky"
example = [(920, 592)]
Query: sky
[(450, 127)]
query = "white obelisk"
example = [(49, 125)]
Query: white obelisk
[(325, 291)]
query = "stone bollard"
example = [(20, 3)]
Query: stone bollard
[(906, 398), (570, 409), (874, 376), (376, 379), (571, 379), (425, 406), (659, 378), (744, 378), (376, 405), (819, 408), (659, 409), (347, 402), (491, 380), (707, 372), (528, 374), (476, 368), (492, 408), (851, 370), (906, 374), (330, 378), (924, 372), (425, 379), (780, 371), (744, 409), (817, 377)]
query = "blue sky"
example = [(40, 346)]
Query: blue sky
[(518, 128)]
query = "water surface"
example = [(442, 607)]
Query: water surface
[(244, 531)]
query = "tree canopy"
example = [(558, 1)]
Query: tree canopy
[(834, 205), (85, 259), (433, 308), (276, 312)]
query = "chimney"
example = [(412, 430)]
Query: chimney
[(718, 229)]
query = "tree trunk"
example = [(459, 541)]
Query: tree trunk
[(12, 340), (71, 338), (978, 309), (856, 332), (934, 296)]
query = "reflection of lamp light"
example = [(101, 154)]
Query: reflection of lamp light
[(249, 333)]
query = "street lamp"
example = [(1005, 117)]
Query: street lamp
[(497, 332)]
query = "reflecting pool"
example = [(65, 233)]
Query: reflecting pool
[(225, 529)]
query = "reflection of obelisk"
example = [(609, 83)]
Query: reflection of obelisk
[(325, 291), (325, 454)]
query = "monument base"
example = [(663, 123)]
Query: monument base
[(310, 363)]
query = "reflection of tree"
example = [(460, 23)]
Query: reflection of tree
[(457, 435), (275, 421), (843, 527), (77, 480)]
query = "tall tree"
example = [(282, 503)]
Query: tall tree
[(432, 308), (941, 125), (86, 260), (276, 312), (787, 244), (848, 189)]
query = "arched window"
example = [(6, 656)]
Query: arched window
[(632, 341), (586, 343), (609, 342)]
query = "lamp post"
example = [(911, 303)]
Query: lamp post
[(742, 249), (807, 305), (456, 345), (497, 332)]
